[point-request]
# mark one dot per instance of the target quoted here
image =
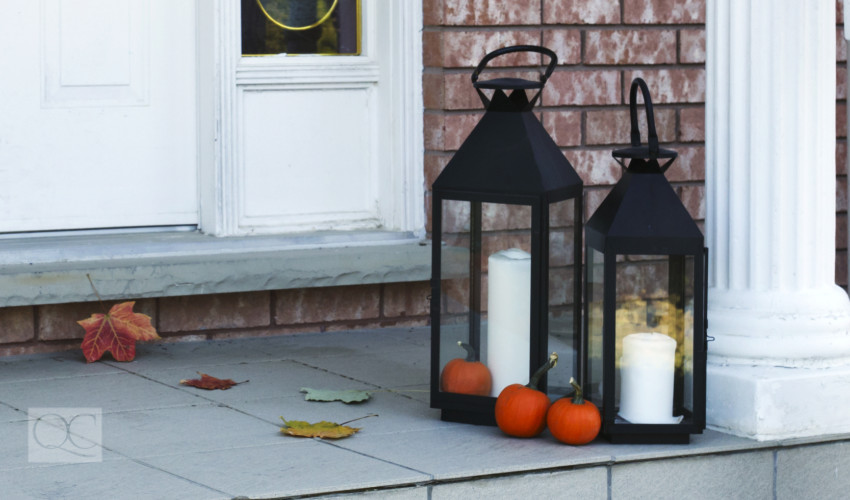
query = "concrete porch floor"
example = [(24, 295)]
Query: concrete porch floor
[(163, 440)]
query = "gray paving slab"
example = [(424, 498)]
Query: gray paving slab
[(816, 471), (585, 484), (9, 414), (266, 379), (462, 450), (108, 479), (396, 413), (398, 368), (111, 392), (151, 356), (304, 347), (48, 366), (307, 466), (140, 434), (17, 438)]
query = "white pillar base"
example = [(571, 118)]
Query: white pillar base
[(770, 403)]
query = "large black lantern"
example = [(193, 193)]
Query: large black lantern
[(645, 296), (506, 223)]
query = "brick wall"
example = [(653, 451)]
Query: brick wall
[(601, 45)]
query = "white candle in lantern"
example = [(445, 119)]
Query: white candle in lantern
[(508, 313), (646, 379)]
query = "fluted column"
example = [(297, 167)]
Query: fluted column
[(777, 317)]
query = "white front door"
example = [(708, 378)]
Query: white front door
[(98, 114)]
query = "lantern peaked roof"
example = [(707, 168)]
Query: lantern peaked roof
[(643, 215), (510, 153)]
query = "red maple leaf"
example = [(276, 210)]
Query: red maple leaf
[(116, 332), (210, 383)]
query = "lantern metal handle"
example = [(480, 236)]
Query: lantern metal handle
[(652, 151), (553, 61), (513, 83), (650, 117)]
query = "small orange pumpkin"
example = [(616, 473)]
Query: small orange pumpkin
[(574, 421), (466, 376), (521, 409)]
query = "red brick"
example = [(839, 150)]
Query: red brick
[(841, 268), (209, 312), (563, 126), (432, 48), (434, 165), (840, 45), (581, 12), (406, 299), (434, 130), (841, 83), (841, 157), (692, 46), (693, 197), (839, 11), (432, 12), (468, 48), (59, 321), (432, 90), (613, 126), (595, 167), (841, 194), (841, 120), (17, 324), (688, 166), (664, 11), (319, 305), (491, 12), (583, 88), (841, 231), (457, 129), (671, 85), (631, 46), (566, 43), (692, 124)]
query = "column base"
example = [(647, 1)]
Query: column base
[(769, 403), (790, 328)]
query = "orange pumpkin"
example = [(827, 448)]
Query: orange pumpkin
[(521, 410), (574, 421), (466, 376)]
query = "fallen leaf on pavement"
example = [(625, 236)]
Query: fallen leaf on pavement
[(117, 332), (324, 430), (349, 396), (210, 383)]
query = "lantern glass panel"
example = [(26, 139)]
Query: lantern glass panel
[(654, 338), (486, 264), (594, 295), (562, 320)]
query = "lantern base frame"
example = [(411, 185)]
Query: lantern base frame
[(469, 417)]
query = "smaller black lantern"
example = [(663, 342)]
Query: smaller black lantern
[(645, 293), (506, 224)]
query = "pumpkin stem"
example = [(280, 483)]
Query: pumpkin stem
[(535, 379), (578, 397), (470, 352)]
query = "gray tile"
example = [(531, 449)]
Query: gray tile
[(108, 479), (9, 414), (110, 392), (707, 442), (587, 484), (737, 476), (303, 467), (169, 355), (49, 366), (266, 379), (816, 471), (399, 368), (395, 413), (169, 431), (305, 347), (16, 439), (414, 493), (460, 450)]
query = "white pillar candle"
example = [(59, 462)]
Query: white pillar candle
[(646, 378), (508, 316)]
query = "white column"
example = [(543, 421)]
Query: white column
[(779, 366)]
